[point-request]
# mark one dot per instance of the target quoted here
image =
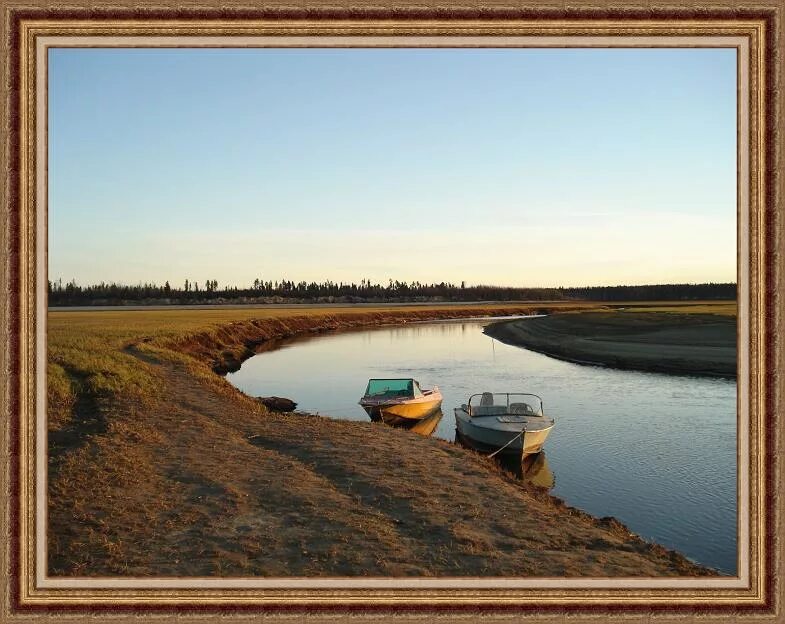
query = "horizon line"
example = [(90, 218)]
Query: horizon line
[(459, 284)]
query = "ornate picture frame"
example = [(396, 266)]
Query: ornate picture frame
[(756, 32)]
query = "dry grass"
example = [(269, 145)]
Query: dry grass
[(722, 308), (158, 466)]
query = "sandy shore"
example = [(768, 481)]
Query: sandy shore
[(693, 344), (197, 479)]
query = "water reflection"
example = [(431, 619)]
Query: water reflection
[(426, 426), (533, 470)]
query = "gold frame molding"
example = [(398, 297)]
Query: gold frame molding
[(28, 30)]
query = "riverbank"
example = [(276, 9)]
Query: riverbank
[(666, 341), (158, 466)]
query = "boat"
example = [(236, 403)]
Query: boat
[(503, 423), (399, 401)]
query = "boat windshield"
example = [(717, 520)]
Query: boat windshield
[(498, 404), (390, 388)]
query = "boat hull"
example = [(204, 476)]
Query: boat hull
[(403, 413)]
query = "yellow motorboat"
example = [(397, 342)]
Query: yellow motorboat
[(399, 401)]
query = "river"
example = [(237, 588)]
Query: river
[(656, 451)]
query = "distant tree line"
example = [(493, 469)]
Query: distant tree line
[(287, 291)]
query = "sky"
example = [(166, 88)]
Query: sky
[(519, 167)]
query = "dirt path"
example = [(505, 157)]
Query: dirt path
[(694, 344), (205, 482)]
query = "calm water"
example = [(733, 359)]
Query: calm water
[(658, 452)]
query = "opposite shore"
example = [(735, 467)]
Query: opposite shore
[(170, 470), (674, 342)]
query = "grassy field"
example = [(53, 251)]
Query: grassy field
[(86, 349), (721, 308), (158, 466)]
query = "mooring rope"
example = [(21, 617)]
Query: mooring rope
[(508, 444)]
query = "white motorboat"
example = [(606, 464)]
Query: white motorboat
[(504, 423)]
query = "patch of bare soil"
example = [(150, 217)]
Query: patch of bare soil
[(693, 344)]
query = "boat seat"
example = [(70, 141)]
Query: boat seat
[(488, 410), (521, 408)]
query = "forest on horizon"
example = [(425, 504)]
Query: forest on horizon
[(287, 291)]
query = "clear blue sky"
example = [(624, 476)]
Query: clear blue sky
[(516, 167)]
